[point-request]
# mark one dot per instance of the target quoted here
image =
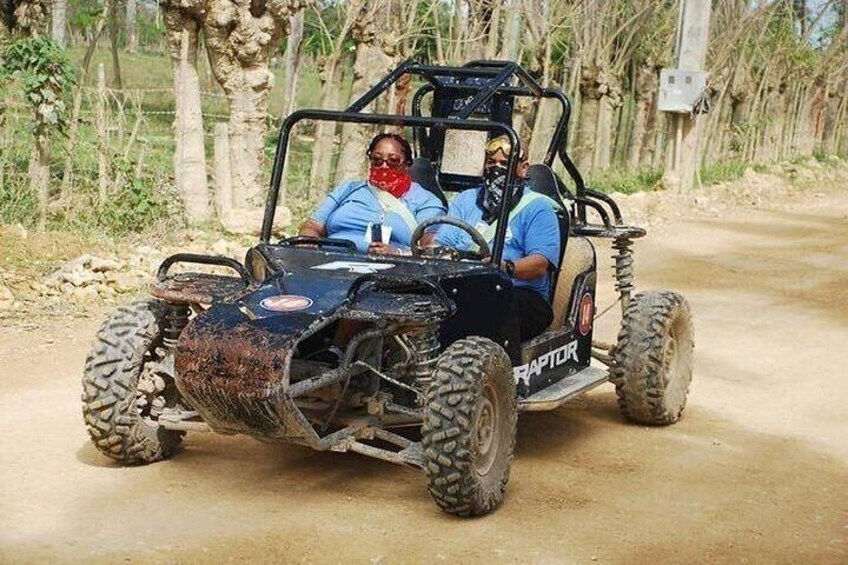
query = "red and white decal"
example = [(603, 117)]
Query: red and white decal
[(586, 314), (286, 303)]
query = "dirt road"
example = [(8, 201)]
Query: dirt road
[(756, 472)]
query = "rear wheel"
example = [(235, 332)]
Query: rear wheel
[(469, 427), (128, 381), (652, 366)]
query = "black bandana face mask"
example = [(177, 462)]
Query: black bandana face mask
[(494, 185)]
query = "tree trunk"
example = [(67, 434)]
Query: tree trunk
[(60, 10), (543, 123), (132, 26), (509, 48), (322, 150), (102, 138), (67, 176), (189, 154), (795, 119), (646, 83), (584, 149), (112, 7), (223, 175), (30, 17), (494, 31), (608, 103), (240, 39), (375, 56), (292, 63)]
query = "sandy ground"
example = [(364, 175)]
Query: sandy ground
[(756, 472)]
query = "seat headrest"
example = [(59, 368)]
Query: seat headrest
[(423, 173), (546, 182)]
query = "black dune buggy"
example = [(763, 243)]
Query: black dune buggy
[(431, 372)]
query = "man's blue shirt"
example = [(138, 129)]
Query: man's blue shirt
[(534, 230), (348, 210)]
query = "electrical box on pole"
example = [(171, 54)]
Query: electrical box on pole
[(681, 90), (682, 93)]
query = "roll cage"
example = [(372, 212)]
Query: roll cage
[(478, 96)]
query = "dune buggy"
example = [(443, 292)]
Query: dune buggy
[(433, 374)]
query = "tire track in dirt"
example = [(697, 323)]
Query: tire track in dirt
[(755, 471)]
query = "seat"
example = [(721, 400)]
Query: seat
[(577, 259), (577, 255), (423, 172), (544, 181)]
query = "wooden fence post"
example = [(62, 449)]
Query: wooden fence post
[(102, 140)]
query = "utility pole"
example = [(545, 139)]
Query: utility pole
[(681, 89)]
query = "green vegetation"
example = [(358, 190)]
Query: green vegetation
[(648, 180), (142, 196), (46, 75), (617, 180), (724, 171)]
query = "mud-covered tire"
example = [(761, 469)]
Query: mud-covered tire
[(652, 361), (468, 436), (124, 343)]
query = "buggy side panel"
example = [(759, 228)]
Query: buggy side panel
[(561, 352)]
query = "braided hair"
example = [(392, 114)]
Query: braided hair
[(404, 145)]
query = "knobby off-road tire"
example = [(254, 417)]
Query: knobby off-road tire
[(117, 414), (468, 434), (652, 366)]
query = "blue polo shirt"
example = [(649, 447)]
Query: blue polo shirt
[(534, 230), (348, 210)]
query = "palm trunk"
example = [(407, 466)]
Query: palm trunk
[(649, 141), (132, 26), (322, 151), (112, 7), (247, 135), (292, 64), (543, 123), (645, 91), (509, 48), (373, 61), (589, 110), (60, 10), (190, 155)]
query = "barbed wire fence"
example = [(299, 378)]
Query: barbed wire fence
[(119, 151)]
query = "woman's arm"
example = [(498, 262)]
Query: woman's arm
[(312, 228)]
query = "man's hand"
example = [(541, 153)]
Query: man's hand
[(383, 248), (526, 268)]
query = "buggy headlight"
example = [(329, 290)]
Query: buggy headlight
[(256, 265)]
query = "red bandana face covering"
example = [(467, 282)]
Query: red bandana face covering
[(394, 181)]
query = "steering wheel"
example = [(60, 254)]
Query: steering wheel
[(479, 240)]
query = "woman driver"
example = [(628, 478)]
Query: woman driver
[(387, 201)]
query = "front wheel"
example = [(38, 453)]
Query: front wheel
[(469, 427), (128, 381), (652, 361)]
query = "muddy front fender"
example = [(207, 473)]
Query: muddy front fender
[(234, 370)]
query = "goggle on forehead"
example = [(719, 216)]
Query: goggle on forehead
[(500, 143)]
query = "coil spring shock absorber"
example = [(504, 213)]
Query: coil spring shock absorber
[(176, 318), (424, 341), (623, 258)]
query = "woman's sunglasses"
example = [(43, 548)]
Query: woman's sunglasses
[(392, 162)]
